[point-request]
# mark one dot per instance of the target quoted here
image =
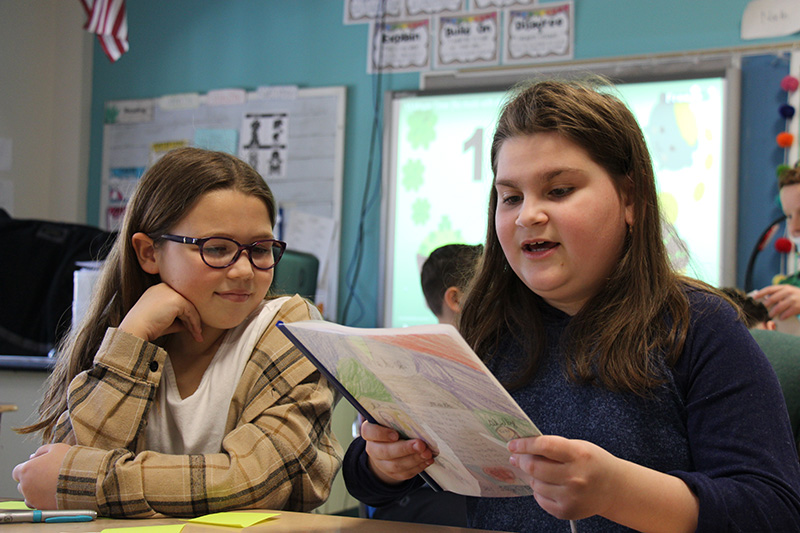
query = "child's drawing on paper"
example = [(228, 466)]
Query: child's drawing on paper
[(504, 426), (360, 381)]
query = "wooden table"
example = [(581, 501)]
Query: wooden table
[(287, 522)]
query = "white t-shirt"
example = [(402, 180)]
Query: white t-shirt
[(196, 424)]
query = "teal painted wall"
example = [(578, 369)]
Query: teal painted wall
[(199, 45)]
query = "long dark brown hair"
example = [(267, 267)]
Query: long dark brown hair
[(613, 340), (164, 195)]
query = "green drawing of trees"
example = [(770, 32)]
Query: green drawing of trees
[(503, 425), (357, 379)]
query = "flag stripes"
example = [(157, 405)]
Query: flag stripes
[(108, 19)]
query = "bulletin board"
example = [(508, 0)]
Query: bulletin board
[(293, 137)]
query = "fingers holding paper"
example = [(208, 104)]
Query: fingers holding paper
[(572, 479), (391, 459)]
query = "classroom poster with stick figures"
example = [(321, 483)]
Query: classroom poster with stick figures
[(264, 143)]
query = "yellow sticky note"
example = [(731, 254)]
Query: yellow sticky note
[(14, 505), (233, 518), (171, 528)]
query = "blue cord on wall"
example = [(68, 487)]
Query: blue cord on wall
[(370, 196)]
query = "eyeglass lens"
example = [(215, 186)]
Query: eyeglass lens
[(220, 252)]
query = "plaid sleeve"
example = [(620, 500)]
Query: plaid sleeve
[(279, 452), (107, 404)]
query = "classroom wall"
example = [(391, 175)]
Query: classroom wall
[(199, 45), (45, 78)]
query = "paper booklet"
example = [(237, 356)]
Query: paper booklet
[(427, 383)]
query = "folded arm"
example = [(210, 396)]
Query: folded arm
[(284, 459), (278, 452)]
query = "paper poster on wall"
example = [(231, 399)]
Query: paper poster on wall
[(177, 102), (114, 217), (432, 7), (121, 183), (402, 46), (468, 40), (770, 18), (157, 150), (263, 143), (544, 33), (360, 11), (129, 111), (276, 92), (309, 233), (485, 4), (314, 235), (220, 140), (233, 96)]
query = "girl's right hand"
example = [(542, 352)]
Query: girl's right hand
[(391, 459), (159, 311), (782, 301)]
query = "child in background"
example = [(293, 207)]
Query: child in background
[(660, 412), (783, 300), (178, 395), (445, 275)]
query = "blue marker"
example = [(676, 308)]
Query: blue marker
[(46, 516)]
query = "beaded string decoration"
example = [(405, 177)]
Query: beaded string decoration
[(785, 140)]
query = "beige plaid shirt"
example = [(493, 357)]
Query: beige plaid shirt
[(278, 450)]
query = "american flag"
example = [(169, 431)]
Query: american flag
[(108, 19)]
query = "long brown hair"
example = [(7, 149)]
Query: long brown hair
[(614, 338), (163, 196)]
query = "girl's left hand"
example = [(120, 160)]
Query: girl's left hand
[(572, 479), (37, 478)]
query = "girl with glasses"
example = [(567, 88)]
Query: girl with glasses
[(659, 410), (177, 395)]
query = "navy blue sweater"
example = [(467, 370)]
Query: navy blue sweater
[(720, 424)]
